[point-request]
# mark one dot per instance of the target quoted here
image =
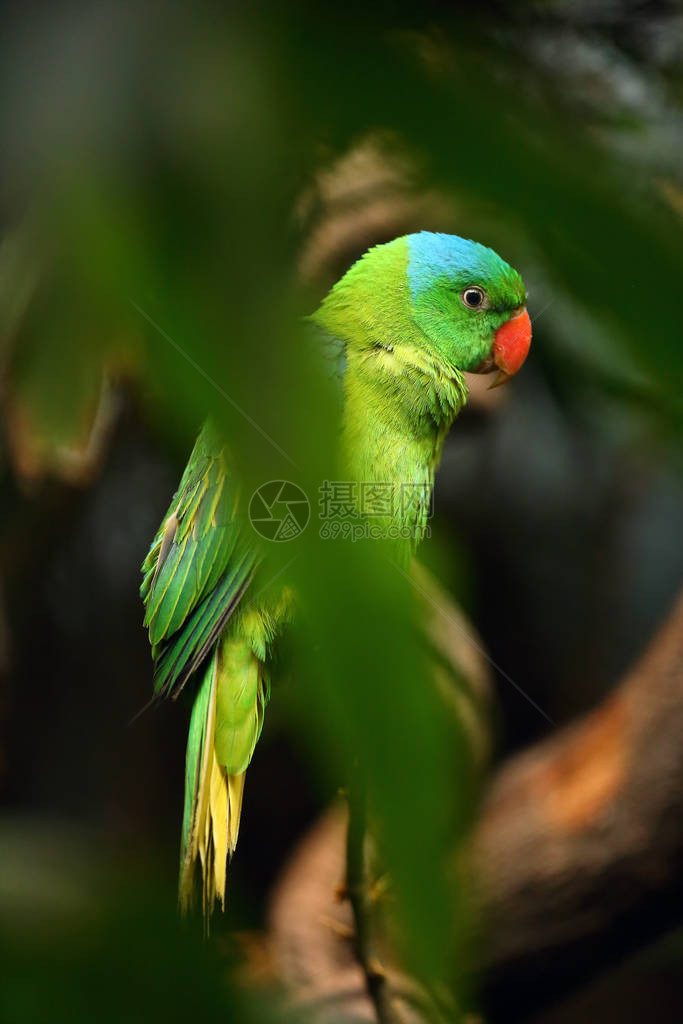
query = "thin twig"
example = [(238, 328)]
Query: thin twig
[(358, 893)]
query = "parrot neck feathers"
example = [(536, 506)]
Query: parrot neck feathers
[(401, 394)]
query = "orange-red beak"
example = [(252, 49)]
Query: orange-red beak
[(511, 346)]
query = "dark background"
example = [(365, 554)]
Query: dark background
[(174, 160)]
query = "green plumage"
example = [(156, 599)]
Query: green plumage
[(198, 567), (399, 334)]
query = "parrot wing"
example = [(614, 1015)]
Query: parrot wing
[(198, 568), (331, 349)]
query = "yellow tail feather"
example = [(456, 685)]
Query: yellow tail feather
[(217, 795), (236, 791)]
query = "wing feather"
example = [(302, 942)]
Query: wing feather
[(198, 567)]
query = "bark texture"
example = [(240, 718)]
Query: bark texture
[(578, 857)]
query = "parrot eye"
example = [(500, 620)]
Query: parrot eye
[(473, 297)]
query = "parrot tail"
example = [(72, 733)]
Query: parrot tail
[(226, 723)]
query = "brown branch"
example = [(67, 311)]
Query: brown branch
[(578, 853), (582, 836)]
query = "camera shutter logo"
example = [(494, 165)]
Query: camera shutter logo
[(279, 510)]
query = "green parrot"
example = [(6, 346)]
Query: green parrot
[(402, 325)]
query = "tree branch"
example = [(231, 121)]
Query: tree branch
[(578, 854)]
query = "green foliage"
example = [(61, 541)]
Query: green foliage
[(151, 176), (83, 939)]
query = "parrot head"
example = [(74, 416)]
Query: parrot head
[(452, 298), (469, 303)]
